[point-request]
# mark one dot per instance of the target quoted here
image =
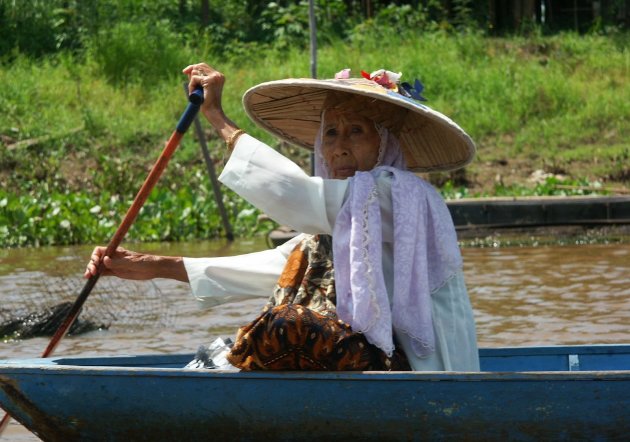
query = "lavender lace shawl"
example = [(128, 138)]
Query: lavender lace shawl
[(426, 253)]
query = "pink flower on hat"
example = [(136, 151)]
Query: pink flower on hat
[(342, 74)]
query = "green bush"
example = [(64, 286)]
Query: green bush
[(26, 27), (138, 52)]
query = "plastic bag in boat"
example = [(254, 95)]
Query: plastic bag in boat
[(213, 356)]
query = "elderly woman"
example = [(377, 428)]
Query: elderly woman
[(375, 281)]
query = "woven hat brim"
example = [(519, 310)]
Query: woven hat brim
[(291, 110)]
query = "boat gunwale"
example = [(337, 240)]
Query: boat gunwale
[(169, 365), (7, 371)]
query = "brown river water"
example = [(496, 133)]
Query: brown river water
[(521, 296)]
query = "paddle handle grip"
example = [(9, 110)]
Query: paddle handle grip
[(197, 96), (194, 102)]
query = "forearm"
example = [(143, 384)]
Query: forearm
[(127, 264), (170, 267), (224, 126)]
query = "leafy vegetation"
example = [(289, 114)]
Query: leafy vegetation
[(46, 217), (88, 102)]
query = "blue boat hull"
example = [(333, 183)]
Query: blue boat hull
[(146, 398)]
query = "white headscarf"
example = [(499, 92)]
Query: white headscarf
[(426, 253)]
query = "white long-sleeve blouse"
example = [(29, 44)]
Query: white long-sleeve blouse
[(280, 188)]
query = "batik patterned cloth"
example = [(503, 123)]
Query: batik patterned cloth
[(299, 329)]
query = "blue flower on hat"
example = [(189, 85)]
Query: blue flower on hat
[(414, 92)]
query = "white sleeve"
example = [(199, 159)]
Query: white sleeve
[(223, 279), (283, 191), (278, 187)]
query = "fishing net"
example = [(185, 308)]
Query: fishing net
[(37, 306)]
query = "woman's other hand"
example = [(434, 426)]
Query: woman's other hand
[(126, 264), (212, 81)]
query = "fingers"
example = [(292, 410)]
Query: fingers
[(92, 265), (208, 78), (198, 69), (98, 255), (197, 73)]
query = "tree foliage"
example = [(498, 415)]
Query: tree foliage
[(40, 27)]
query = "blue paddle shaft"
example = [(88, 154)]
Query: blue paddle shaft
[(195, 100)]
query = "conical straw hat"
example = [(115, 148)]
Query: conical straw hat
[(291, 110)]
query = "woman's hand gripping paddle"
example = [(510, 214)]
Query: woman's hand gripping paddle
[(195, 100)]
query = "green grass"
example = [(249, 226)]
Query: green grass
[(66, 128)]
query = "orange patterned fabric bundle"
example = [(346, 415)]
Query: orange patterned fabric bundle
[(298, 329)]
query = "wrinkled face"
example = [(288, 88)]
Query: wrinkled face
[(350, 143)]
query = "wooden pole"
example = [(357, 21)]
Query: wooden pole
[(216, 188), (313, 34)]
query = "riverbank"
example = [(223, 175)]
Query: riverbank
[(548, 113)]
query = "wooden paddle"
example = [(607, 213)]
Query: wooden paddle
[(195, 99)]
